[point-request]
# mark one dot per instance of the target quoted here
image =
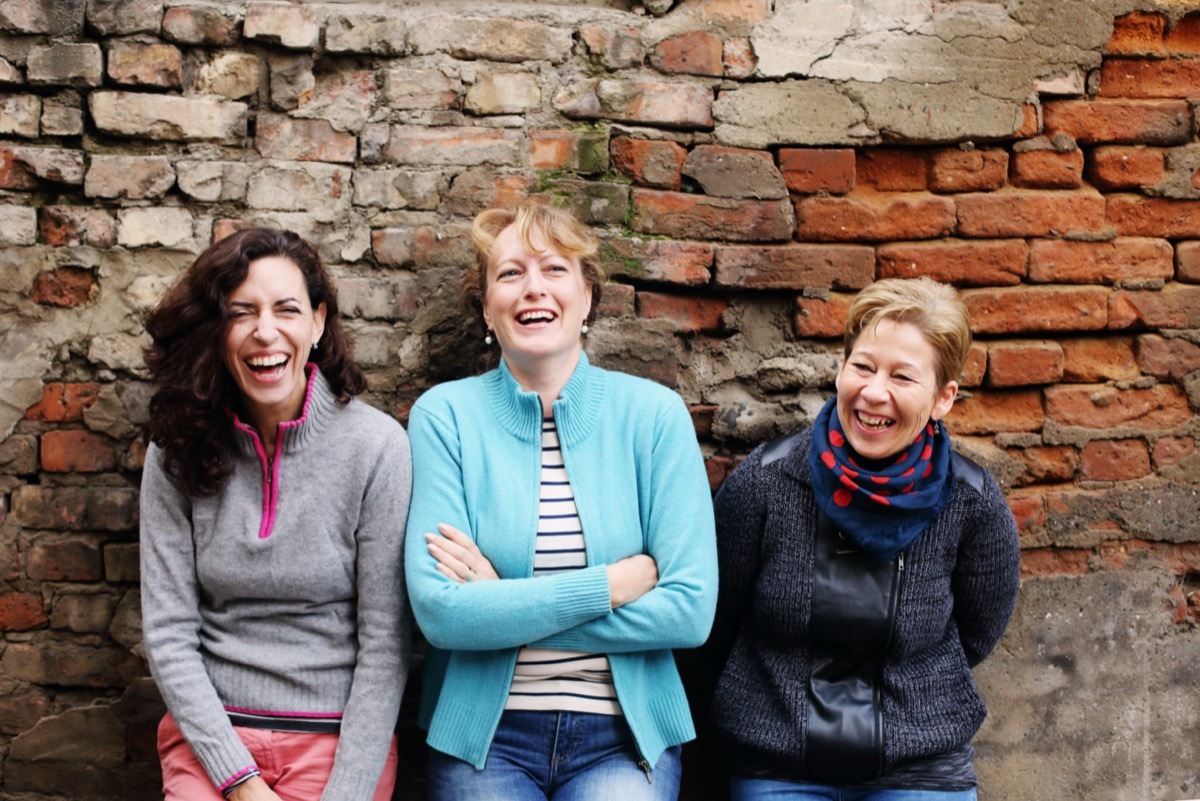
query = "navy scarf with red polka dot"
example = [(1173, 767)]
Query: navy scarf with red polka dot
[(881, 506)]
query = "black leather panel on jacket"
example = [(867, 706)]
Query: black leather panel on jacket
[(853, 613)]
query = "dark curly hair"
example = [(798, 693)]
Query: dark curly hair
[(189, 416)]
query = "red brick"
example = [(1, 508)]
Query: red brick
[(1130, 259), (1031, 121), (159, 65), (822, 317), (993, 412), (64, 560), (1088, 361), (894, 170), (795, 267), (955, 170), (75, 508), (1128, 122), (1046, 463), (658, 103), (689, 314), (1021, 363), (1029, 213), (1046, 562), (281, 137), (69, 226), (72, 664), (1048, 169), (683, 263), (121, 561), (579, 151), (77, 451), (1176, 306), (14, 173), (724, 11), (807, 171), (1172, 450), (1114, 460), (1120, 167), (475, 190), (718, 469), (1184, 38), (64, 287), (1187, 262), (1100, 406), (1167, 358), (1133, 215), (691, 53), (1138, 33), (956, 261), (683, 216), (423, 246), (873, 217), (617, 300), (64, 403), (135, 456), (200, 25), (702, 418), (975, 367), (1028, 510), (1036, 309), (1150, 78), (82, 612), (414, 144), (739, 57), (649, 163), (21, 611)]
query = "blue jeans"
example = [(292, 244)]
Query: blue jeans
[(747, 789), (564, 756)]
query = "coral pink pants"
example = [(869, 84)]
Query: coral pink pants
[(296, 766)]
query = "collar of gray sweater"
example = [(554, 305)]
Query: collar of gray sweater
[(320, 407)]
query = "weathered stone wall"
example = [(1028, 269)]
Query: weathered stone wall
[(750, 165)]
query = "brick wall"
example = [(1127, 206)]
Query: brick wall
[(743, 195)]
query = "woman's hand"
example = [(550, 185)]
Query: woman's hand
[(253, 789), (631, 578), (458, 557)]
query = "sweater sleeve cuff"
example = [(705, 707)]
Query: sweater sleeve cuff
[(582, 595), (244, 775)]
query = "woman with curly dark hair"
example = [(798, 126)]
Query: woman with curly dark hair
[(273, 509)]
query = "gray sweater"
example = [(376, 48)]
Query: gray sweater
[(957, 594), (284, 594)]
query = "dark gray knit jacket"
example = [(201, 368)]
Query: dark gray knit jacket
[(958, 591)]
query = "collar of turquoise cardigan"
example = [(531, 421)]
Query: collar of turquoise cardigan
[(575, 412)]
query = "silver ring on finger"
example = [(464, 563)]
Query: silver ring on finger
[(470, 575)]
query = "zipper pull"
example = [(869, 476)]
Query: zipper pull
[(645, 766), (900, 563)]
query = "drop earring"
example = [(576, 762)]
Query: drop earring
[(584, 329), (487, 338), (316, 344)]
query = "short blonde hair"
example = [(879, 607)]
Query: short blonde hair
[(934, 308), (560, 229)]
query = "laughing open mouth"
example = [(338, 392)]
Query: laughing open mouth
[(267, 364), (872, 423), (535, 316)]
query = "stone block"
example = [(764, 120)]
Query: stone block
[(808, 171), (288, 25), (71, 226), (423, 246), (19, 115), (670, 105), (62, 115), (955, 261), (691, 53), (790, 112), (213, 181), (323, 190), (70, 665), (287, 139), (739, 58), (133, 177), (683, 216), (66, 64), (658, 165), (409, 88), (64, 287), (593, 202), (57, 164), (956, 170), (75, 508), (18, 226), (394, 297), (504, 93), (43, 17), (155, 226), (200, 25), (18, 456), (292, 81), (1036, 309), (346, 98), (63, 560), (398, 189), (844, 267), (453, 146), (365, 31), (583, 151), (734, 172), (492, 39), (184, 119), (10, 73), (472, 191), (229, 74), (1122, 259), (82, 613), (682, 263), (122, 17), (158, 65), (615, 48), (121, 562)]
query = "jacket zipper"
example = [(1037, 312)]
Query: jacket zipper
[(893, 611)]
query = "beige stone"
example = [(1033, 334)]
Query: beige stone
[(161, 226), (19, 115), (18, 226), (322, 190), (289, 25), (408, 88), (167, 117), (134, 177), (398, 189), (365, 32), (492, 39), (504, 93), (66, 64), (212, 181), (118, 17), (230, 74), (52, 163)]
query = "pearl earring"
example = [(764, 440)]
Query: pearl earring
[(584, 329), (487, 338)]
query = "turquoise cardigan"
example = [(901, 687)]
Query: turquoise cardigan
[(640, 487)]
